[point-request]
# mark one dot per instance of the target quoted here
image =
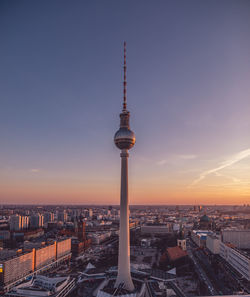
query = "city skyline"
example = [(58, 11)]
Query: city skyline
[(188, 91)]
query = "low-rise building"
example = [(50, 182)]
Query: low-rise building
[(42, 286), (213, 243), (200, 237), (99, 238), (238, 259), (240, 238), (155, 229)]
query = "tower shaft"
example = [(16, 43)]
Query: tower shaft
[(124, 276)]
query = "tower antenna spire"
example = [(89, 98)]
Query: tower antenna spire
[(124, 79)]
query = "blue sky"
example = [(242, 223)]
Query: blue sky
[(61, 92)]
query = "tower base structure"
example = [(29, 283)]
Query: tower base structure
[(109, 289), (146, 283)]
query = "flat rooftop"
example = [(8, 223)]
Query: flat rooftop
[(6, 254)]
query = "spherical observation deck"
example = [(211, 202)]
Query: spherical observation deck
[(124, 138)]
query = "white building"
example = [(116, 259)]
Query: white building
[(182, 244), (200, 236), (238, 259), (240, 238), (213, 243), (42, 286)]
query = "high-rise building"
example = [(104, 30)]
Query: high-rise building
[(62, 216), (80, 232), (48, 217), (124, 139), (15, 223), (25, 222), (36, 221), (90, 213)]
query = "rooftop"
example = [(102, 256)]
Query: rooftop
[(6, 254), (175, 253), (41, 286)]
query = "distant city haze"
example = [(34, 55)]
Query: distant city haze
[(188, 76)]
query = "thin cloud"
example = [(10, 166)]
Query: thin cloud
[(162, 162), (234, 159), (175, 158), (234, 179), (187, 157), (34, 170)]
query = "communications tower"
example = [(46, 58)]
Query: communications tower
[(124, 139)]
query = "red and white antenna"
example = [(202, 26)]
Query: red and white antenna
[(124, 80)]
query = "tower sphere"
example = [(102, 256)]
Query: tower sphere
[(124, 138)]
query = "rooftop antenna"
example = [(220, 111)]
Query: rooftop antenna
[(124, 80)]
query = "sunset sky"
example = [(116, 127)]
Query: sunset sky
[(188, 72)]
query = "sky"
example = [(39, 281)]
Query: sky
[(188, 78)]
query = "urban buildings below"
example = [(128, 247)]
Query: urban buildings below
[(216, 261)]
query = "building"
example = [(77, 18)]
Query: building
[(42, 286), (16, 265), (15, 223), (155, 229), (80, 231), (175, 253), (145, 242), (18, 223), (25, 222), (240, 238), (98, 238), (36, 221), (78, 247), (238, 259), (49, 217), (181, 241), (62, 216), (4, 234), (213, 243), (200, 237), (90, 213), (205, 223)]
